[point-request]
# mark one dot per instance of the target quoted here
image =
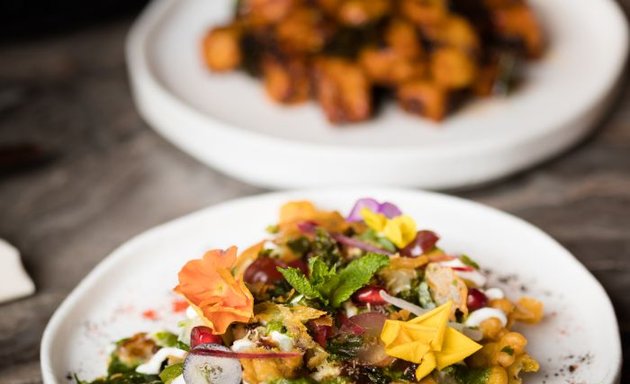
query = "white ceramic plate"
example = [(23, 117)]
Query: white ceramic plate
[(579, 330), (226, 120)]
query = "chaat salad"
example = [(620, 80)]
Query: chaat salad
[(366, 298)]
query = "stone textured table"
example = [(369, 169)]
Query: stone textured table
[(107, 177)]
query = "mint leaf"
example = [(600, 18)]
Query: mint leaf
[(171, 372), (355, 275), (297, 280), (319, 271)]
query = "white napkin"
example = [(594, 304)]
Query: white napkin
[(14, 282)]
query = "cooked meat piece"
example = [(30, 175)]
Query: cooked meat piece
[(286, 80), (385, 66), (221, 48), (520, 23), (361, 12), (453, 31), (343, 90), (265, 12), (452, 68), (403, 38), (135, 350), (423, 98), (304, 30), (424, 12), (498, 76)]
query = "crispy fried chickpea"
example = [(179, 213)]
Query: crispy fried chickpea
[(523, 363), (402, 37), (483, 357), (424, 12), (221, 48), (497, 375), (361, 12), (286, 80), (423, 98), (528, 310), (343, 90), (504, 305), (509, 347), (520, 22), (452, 68), (491, 328)]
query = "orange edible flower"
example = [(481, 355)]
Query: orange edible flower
[(211, 289)]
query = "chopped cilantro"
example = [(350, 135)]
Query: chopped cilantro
[(509, 350)]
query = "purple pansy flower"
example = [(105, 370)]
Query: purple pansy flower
[(388, 209)]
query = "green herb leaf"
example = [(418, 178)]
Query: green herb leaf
[(165, 339), (507, 349), (296, 278), (468, 261), (355, 275), (171, 372)]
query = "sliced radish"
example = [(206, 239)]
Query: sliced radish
[(206, 369)]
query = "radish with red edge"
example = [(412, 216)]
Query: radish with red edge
[(369, 295), (203, 335), (206, 369)]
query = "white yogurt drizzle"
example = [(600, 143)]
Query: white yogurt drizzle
[(494, 293), (152, 367), (479, 316)]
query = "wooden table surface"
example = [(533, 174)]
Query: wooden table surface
[(106, 177)]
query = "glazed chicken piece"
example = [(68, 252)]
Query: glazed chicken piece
[(286, 79), (452, 68), (221, 48), (361, 12), (304, 30), (343, 90), (401, 36), (424, 12), (423, 98), (519, 23), (386, 67), (455, 32), (259, 13)]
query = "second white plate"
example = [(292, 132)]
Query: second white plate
[(226, 120)]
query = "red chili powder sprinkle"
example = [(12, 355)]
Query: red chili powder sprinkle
[(179, 306), (150, 314)]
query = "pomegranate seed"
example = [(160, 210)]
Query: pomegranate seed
[(369, 295), (203, 335), (476, 299)]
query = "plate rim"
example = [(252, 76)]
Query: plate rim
[(122, 251)]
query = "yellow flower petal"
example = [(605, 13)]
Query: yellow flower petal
[(374, 220), (400, 230), (427, 366), (456, 347), (427, 340)]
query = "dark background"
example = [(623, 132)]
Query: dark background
[(80, 172)]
